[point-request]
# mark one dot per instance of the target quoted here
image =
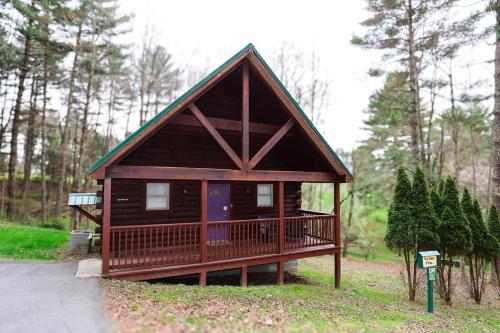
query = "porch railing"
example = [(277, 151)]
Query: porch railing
[(154, 245), (242, 238), (309, 230), (180, 243)]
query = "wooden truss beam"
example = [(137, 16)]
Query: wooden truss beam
[(245, 118), (213, 132), (270, 144), (86, 214), (226, 125), (173, 173)]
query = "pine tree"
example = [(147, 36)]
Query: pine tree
[(468, 209), (484, 246), (494, 229), (425, 220), (401, 233), (436, 198), (467, 205), (454, 234)]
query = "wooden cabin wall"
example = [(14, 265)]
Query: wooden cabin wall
[(244, 200), (128, 202), (182, 146)]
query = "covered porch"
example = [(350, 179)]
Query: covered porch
[(170, 248)]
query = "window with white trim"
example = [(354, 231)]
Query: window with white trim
[(157, 196), (264, 195)]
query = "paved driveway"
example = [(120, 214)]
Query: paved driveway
[(46, 297)]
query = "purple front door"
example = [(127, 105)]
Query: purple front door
[(218, 210)]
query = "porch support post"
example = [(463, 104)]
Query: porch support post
[(280, 271), (281, 215), (203, 279), (243, 280), (245, 119), (204, 219), (106, 222), (336, 202)]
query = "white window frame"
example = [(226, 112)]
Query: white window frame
[(167, 197), (270, 195)]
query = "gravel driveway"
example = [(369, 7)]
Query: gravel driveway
[(46, 297)]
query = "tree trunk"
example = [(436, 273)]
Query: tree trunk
[(30, 139), (455, 129), (430, 168), (441, 153), (474, 162), (65, 135), (347, 236), (43, 153), (418, 154), (352, 193), (107, 138), (320, 199), (495, 272), (11, 186), (496, 116), (76, 186)]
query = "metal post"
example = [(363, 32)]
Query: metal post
[(430, 293)]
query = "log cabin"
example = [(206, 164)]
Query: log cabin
[(213, 182)]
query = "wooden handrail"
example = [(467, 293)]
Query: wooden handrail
[(158, 225), (308, 216), (247, 220), (313, 212)]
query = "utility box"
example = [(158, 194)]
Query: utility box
[(80, 242), (428, 259)]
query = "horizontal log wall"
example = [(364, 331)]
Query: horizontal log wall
[(244, 199), (186, 146), (128, 202)]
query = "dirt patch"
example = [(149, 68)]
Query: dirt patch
[(325, 264), (231, 313)]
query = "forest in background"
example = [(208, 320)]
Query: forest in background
[(68, 83)]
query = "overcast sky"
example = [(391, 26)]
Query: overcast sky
[(208, 32)]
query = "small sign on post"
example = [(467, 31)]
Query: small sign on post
[(430, 261)]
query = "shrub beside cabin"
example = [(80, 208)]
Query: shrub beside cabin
[(213, 182)]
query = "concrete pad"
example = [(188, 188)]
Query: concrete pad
[(89, 268)]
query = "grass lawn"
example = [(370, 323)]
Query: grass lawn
[(24, 242), (371, 299)]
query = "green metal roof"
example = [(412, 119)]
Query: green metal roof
[(153, 120)]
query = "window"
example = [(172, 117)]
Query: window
[(157, 196), (264, 195)]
